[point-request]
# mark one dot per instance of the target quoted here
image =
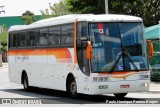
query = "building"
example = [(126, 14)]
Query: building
[(14, 20)]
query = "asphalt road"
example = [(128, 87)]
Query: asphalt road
[(11, 90)]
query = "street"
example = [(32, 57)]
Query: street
[(11, 90)]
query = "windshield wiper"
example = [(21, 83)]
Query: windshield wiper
[(130, 60), (116, 62), (124, 53)]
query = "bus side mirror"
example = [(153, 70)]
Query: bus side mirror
[(89, 50), (150, 49)]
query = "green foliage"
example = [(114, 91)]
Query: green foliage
[(148, 10), (3, 39), (86, 6), (28, 17), (56, 9)]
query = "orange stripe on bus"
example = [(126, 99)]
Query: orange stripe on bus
[(118, 73), (62, 53)]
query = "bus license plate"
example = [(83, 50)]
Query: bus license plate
[(125, 86)]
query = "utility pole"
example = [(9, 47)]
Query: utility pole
[(0, 55), (106, 7), (1, 11)]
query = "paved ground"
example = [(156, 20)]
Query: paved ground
[(154, 86), (11, 90)]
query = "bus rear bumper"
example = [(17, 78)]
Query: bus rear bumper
[(119, 87)]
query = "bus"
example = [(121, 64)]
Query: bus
[(81, 54), (153, 33)]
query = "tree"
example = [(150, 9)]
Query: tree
[(148, 10), (86, 6), (56, 9), (3, 39), (28, 17)]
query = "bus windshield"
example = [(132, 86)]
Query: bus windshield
[(118, 47)]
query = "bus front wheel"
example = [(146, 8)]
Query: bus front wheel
[(72, 88), (120, 95), (25, 83)]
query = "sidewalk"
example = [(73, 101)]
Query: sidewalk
[(4, 65), (155, 86)]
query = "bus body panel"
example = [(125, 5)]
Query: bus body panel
[(12, 68), (45, 69), (123, 83), (120, 87)]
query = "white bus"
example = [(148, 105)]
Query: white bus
[(88, 54)]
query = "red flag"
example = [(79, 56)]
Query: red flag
[(100, 28)]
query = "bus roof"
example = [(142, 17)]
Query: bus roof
[(80, 17), (153, 32)]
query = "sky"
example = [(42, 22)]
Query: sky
[(17, 7)]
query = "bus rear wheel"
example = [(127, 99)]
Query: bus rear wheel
[(25, 83), (72, 88), (120, 95)]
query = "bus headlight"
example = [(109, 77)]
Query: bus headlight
[(145, 84), (144, 76)]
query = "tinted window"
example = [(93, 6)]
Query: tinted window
[(67, 34), (106, 42), (84, 29), (12, 40), (54, 35), (81, 48), (21, 37), (32, 38), (43, 37)]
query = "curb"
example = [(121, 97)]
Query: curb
[(154, 91), (4, 65)]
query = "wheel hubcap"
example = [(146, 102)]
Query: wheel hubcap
[(73, 87)]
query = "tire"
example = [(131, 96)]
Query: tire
[(72, 88), (25, 83), (120, 95)]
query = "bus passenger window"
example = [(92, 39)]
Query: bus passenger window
[(32, 38), (54, 35), (12, 41), (67, 34), (43, 37), (21, 39)]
